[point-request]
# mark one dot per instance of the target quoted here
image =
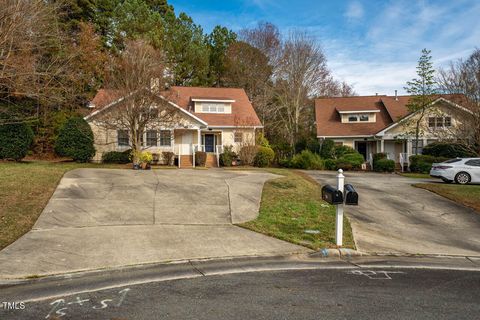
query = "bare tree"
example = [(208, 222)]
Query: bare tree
[(463, 77), (137, 77), (301, 74)]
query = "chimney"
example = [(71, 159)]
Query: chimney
[(396, 97)]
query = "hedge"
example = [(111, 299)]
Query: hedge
[(15, 140), (350, 161), (75, 140), (307, 160), (448, 150), (423, 163), (384, 165), (200, 158), (117, 157), (327, 150)]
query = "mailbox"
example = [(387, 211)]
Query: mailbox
[(332, 195), (351, 196)]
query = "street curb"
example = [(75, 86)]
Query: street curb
[(336, 253)]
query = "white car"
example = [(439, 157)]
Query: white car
[(460, 170)]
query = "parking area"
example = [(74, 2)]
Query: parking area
[(395, 217), (105, 218)]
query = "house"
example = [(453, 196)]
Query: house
[(380, 123), (208, 119)]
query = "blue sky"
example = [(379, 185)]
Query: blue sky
[(373, 45)]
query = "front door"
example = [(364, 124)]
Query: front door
[(209, 143), (362, 149)]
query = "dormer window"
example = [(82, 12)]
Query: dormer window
[(364, 118), (358, 118), (212, 105), (352, 118)]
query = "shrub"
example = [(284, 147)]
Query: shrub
[(200, 158), (448, 150), (264, 157), (146, 157), (327, 150), (227, 156), (350, 161), (247, 154), (116, 157), (379, 156), (307, 160), (340, 151), (384, 165), (168, 157), (330, 164), (15, 140), (262, 141), (286, 163), (423, 163), (75, 140)]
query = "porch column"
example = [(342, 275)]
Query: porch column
[(409, 147), (382, 145), (199, 138)]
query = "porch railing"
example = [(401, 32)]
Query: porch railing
[(404, 159), (218, 151), (370, 160)]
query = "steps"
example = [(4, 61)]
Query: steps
[(211, 160), (186, 161)]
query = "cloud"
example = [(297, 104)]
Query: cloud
[(354, 11)]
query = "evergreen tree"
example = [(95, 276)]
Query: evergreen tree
[(219, 40)]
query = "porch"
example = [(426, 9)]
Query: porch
[(397, 150)]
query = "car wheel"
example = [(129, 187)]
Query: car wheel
[(446, 180), (462, 178)]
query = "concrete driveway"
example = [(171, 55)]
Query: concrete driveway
[(104, 218), (394, 217)]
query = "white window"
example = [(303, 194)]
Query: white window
[(151, 138), (439, 122), (165, 138), (123, 138), (364, 117), (238, 137), (213, 107), (353, 118)]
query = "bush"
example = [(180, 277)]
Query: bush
[(168, 157), (307, 160), (423, 163), (327, 150), (247, 154), (448, 150), (384, 165), (227, 156), (264, 157), (350, 161), (146, 157), (285, 163), (200, 158), (15, 140), (379, 156), (75, 140), (330, 164), (340, 151), (262, 141), (283, 151), (117, 157)]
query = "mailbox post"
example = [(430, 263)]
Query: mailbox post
[(339, 215)]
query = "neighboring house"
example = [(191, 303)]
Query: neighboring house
[(380, 123), (209, 119)]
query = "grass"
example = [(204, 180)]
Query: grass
[(292, 204), (415, 175), (25, 189), (468, 195)]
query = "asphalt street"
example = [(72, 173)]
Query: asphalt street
[(351, 293)]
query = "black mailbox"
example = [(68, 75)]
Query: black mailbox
[(351, 196), (332, 195)]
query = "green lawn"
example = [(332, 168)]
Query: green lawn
[(25, 189), (292, 204), (415, 175), (468, 195)]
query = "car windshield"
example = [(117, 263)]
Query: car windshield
[(452, 160)]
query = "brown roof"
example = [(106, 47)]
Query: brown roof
[(242, 110), (391, 110)]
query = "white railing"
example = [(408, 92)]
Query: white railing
[(404, 159), (370, 160), (218, 151)]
